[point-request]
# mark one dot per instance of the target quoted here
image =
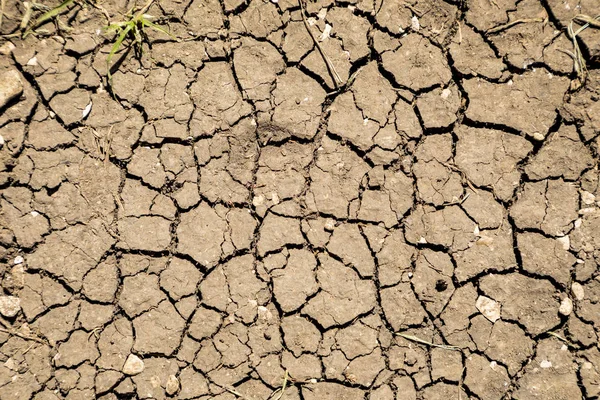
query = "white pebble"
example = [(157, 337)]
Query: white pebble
[(545, 364), (566, 306), (172, 385), (414, 23), (18, 260), (587, 197), (9, 306), (133, 365), (489, 308), (577, 291), (565, 242)]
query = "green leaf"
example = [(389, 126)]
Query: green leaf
[(52, 13), (116, 48), (158, 28)]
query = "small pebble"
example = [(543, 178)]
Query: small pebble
[(9, 306), (577, 291), (172, 385), (566, 306), (545, 364), (489, 308), (18, 260), (565, 242), (587, 197), (133, 365)]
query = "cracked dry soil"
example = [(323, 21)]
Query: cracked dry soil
[(234, 212)]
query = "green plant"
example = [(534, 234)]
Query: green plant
[(133, 27)]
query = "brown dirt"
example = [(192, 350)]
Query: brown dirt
[(423, 225)]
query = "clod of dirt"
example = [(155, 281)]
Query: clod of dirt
[(217, 105), (436, 183), (544, 256), (483, 17), (486, 379), (158, 330), (439, 107), (180, 279), (72, 252), (553, 373), (417, 64), (256, 66), (582, 107), (202, 241), (473, 56), (69, 107), (133, 365), (538, 316), (453, 229), (335, 179), (549, 205), (9, 306), (533, 41), (296, 282), (140, 293), (492, 165), (277, 232), (394, 259), (563, 155), (330, 390), (11, 86), (527, 103), (504, 342), (343, 294), (349, 122), (348, 243), (484, 209), (298, 101), (401, 307), (432, 280)]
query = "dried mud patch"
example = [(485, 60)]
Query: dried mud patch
[(419, 219)]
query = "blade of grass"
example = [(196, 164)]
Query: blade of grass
[(425, 342), (158, 28), (115, 48), (52, 13), (282, 389), (513, 23), (330, 67)]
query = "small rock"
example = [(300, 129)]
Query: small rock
[(587, 197), (6, 48), (1, 141), (11, 86), (9, 306), (577, 291), (172, 385), (19, 260), (565, 241), (133, 365), (546, 364), (566, 306), (489, 308)]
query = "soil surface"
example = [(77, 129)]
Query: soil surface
[(416, 218)]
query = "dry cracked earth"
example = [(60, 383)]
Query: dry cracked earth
[(421, 223)]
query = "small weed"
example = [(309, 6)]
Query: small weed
[(132, 27), (579, 65), (50, 14)]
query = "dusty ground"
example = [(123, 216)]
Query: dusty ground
[(236, 211)]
